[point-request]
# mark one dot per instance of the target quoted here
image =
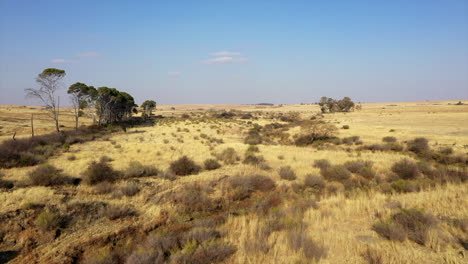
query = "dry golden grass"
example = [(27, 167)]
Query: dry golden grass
[(341, 223)]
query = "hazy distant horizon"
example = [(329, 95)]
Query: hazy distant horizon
[(240, 52)]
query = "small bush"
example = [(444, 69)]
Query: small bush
[(193, 199), (287, 173), (201, 235), (314, 181), (184, 166), (130, 189), (336, 173), (212, 252), (446, 150), (241, 187), (406, 169), (389, 139), (404, 186), (99, 172), (407, 223), (4, 184), (253, 159), (48, 175), (229, 156), (103, 188), (116, 212), (345, 127), (419, 145), (48, 220), (253, 148), (298, 240), (372, 256), (136, 169), (253, 138), (167, 175), (322, 164), (367, 172), (212, 164), (357, 165)]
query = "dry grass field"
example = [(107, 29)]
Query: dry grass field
[(230, 214)]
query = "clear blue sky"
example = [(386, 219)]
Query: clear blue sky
[(187, 52)]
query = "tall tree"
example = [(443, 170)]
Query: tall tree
[(49, 80), (148, 107), (80, 97)]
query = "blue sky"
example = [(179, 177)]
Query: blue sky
[(189, 52)]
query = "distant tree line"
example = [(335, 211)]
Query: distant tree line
[(104, 105), (330, 105)]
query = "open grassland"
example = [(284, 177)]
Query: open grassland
[(264, 202)]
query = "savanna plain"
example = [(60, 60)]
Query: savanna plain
[(238, 184)]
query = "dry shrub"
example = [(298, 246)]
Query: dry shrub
[(48, 220), (103, 188), (184, 166), (405, 186), (372, 256), (211, 164), (298, 240), (322, 164), (389, 139), (418, 145), (201, 235), (253, 138), (315, 182), (313, 131), (334, 187), (136, 169), (267, 202), (345, 127), (287, 173), (193, 198), (116, 212), (212, 252), (406, 169), (130, 189), (167, 175), (48, 175), (99, 172), (357, 165), (253, 159), (253, 148), (412, 223), (241, 187), (228, 156), (336, 173)]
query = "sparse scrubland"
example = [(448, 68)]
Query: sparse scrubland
[(239, 184)]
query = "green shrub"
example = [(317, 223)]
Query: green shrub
[(287, 173), (184, 166), (48, 220), (211, 164), (99, 172)]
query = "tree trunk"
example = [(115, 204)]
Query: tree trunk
[(32, 125)]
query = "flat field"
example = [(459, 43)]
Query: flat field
[(310, 215)]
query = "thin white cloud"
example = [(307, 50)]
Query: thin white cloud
[(88, 54), (58, 61), (225, 53), (225, 60), (174, 73)]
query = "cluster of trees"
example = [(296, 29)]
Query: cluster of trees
[(331, 105), (107, 105)]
